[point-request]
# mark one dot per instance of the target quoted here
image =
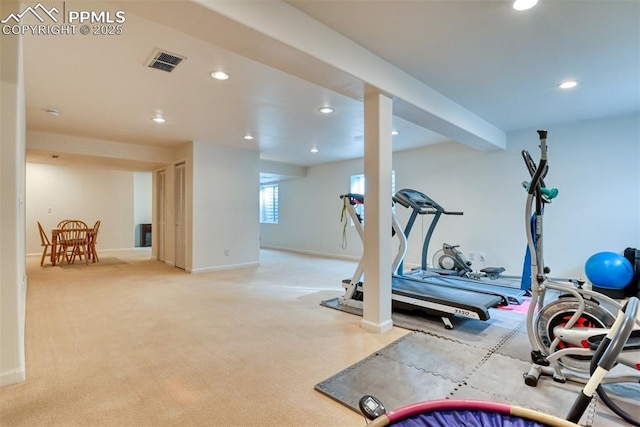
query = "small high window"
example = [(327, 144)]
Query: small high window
[(269, 204)]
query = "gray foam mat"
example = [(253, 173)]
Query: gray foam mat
[(376, 375), (475, 360)]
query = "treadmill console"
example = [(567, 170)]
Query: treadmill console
[(415, 199)]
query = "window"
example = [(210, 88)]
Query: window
[(357, 183), (269, 204), (358, 186)]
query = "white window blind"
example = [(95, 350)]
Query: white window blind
[(269, 203)]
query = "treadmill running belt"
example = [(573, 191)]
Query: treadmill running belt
[(459, 301)]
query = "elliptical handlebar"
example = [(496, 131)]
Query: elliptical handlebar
[(536, 179), (533, 220), (603, 360), (537, 188)]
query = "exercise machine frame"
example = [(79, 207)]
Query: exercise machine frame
[(558, 332), (617, 346), (413, 294), (421, 204)]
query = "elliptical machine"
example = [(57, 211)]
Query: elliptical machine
[(559, 330)]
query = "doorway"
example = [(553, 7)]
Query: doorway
[(160, 215), (180, 206)]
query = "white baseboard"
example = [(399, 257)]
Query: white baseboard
[(12, 377), (314, 253), (378, 328), (223, 267), (327, 255)]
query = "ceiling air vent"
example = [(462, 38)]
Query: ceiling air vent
[(165, 61)]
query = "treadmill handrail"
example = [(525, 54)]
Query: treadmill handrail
[(348, 200)]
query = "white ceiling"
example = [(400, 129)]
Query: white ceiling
[(502, 65)]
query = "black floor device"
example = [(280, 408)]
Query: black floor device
[(371, 407)]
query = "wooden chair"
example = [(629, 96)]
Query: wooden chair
[(74, 236), (93, 239), (45, 243)]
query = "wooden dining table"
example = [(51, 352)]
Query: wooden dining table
[(54, 242)]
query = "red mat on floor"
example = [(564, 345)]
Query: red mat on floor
[(518, 308)]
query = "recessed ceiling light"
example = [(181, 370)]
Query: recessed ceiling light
[(314, 150), (53, 112), (326, 110), (394, 132), (568, 84), (248, 137), (524, 4), (159, 119), (220, 75)]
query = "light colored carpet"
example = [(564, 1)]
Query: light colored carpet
[(130, 341)]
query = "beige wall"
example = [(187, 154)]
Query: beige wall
[(221, 215), (593, 163), (54, 193), (225, 208)]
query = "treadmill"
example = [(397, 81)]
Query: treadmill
[(421, 204), (410, 294)]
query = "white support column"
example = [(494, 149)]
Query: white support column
[(13, 278), (378, 124)]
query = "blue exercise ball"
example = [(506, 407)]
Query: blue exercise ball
[(609, 270)]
